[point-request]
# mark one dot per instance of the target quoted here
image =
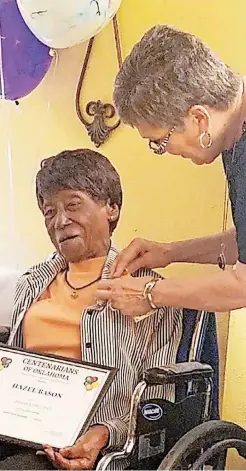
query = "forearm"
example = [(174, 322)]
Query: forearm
[(117, 427), (206, 249), (220, 292)]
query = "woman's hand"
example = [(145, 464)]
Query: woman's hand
[(125, 294), (83, 454), (142, 253)]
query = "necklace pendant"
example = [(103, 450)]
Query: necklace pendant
[(74, 295)]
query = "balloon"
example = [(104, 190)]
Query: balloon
[(64, 23), (24, 60)]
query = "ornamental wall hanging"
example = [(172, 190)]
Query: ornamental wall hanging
[(99, 112)]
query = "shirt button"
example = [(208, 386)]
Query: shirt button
[(88, 344)]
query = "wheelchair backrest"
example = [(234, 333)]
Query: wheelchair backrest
[(199, 342), (160, 424)]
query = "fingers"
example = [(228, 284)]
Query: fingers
[(140, 262), (71, 451), (113, 269), (103, 295), (66, 452), (106, 284), (49, 453), (83, 454), (77, 463), (78, 451), (78, 456), (121, 264), (57, 462), (108, 290), (104, 290), (60, 461), (126, 257)]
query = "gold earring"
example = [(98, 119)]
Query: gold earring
[(210, 142)]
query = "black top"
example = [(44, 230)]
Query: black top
[(235, 169)]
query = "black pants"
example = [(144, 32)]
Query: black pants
[(19, 457)]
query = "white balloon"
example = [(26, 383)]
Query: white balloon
[(64, 23)]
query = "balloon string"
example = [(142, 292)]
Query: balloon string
[(41, 135), (1, 66), (11, 190), (6, 117), (53, 53)]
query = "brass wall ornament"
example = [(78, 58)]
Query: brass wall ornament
[(100, 112)]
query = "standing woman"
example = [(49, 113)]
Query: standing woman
[(184, 101)]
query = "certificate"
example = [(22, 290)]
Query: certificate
[(46, 399)]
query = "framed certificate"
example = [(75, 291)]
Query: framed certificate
[(46, 399)]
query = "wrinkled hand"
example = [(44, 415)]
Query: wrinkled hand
[(141, 253), (125, 294), (83, 454)]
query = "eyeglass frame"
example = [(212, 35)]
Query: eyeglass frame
[(161, 147)]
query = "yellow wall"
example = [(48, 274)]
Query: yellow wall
[(234, 404), (165, 198)]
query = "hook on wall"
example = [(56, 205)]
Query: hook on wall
[(98, 129)]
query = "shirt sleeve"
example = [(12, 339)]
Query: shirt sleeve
[(237, 188), (118, 428), (8, 281)]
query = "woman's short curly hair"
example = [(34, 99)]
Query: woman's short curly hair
[(167, 72), (80, 169)]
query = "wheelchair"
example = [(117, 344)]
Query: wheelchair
[(186, 434)]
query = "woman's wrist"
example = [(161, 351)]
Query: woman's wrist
[(174, 251), (203, 250), (157, 293)]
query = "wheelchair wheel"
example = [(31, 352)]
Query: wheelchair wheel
[(206, 444)]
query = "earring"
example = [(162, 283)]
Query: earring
[(111, 218), (210, 142)]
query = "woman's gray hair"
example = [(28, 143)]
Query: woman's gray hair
[(167, 73), (80, 169)]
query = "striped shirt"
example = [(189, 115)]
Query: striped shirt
[(111, 339)]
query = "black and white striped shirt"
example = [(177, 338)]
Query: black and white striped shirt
[(109, 338)]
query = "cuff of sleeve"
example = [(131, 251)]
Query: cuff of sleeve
[(117, 433)]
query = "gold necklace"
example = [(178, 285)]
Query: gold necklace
[(74, 294)]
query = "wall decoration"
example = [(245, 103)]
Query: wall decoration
[(97, 128)]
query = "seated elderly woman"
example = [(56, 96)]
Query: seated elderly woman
[(56, 312)]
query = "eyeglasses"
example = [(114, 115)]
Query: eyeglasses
[(160, 147)]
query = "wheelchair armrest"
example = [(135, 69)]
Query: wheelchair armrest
[(4, 334), (178, 373)]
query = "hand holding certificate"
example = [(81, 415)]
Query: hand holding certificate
[(48, 400), (84, 453)]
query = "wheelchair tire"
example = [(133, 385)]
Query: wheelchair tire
[(205, 436)]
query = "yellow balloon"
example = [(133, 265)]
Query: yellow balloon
[(95, 385)]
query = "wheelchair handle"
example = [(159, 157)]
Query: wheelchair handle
[(178, 373)]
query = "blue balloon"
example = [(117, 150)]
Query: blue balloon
[(25, 60)]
